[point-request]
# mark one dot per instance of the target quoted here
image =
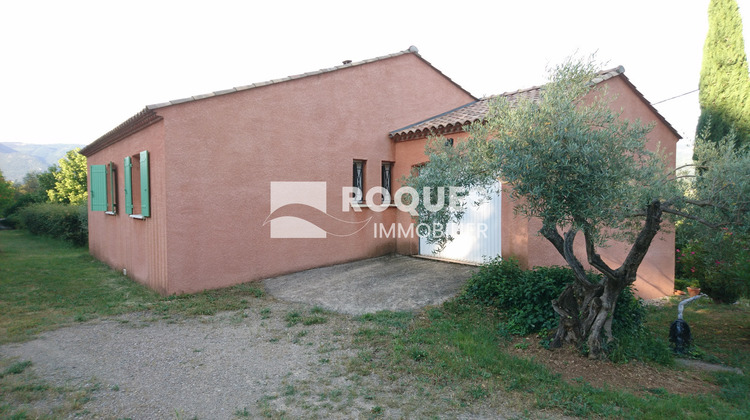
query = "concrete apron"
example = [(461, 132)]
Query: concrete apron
[(394, 283)]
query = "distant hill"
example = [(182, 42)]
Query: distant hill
[(18, 159)]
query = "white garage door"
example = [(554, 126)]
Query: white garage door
[(476, 238)]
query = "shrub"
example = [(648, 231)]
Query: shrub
[(62, 221), (12, 213), (691, 261), (525, 297), (719, 261), (681, 284), (489, 285), (724, 287), (632, 341)]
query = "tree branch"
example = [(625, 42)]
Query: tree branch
[(552, 235), (570, 257), (565, 247), (595, 259), (696, 218), (666, 176), (642, 242), (700, 203)]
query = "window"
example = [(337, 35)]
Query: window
[(385, 178), (137, 194), (358, 175), (104, 188)]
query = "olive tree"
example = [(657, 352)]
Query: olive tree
[(574, 164)]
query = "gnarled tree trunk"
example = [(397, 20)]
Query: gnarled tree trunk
[(585, 307)]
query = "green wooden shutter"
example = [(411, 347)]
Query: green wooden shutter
[(98, 187), (128, 186), (112, 188), (145, 202)]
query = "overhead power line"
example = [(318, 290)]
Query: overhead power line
[(675, 97)]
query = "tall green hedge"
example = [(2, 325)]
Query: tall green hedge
[(56, 220)]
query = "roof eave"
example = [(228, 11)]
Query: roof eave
[(148, 116), (651, 107), (132, 125)]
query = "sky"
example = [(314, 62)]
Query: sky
[(73, 70)]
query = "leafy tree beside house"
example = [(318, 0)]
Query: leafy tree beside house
[(576, 166), (70, 179), (7, 194), (37, 184), (720, 260), (724, 80)]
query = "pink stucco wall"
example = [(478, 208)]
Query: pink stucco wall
[(520, 236), (138, 246), (214, 160)]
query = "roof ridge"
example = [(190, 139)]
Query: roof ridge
[(411, 50), (438, 123), (148, 116), (601, 76)]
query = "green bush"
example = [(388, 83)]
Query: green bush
[(62, 221), (718, 260), (632, 341), (723, 287), (525, 297), (489, 285), (12, 213), (682, 284)]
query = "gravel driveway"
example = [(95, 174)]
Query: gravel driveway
[(249, 363), (207, 367)]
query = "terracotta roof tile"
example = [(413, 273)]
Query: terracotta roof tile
[(453, 120)]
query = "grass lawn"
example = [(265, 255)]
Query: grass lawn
[(46, 284), (459, 346), (455, 353)]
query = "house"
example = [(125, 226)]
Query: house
[(513, 235), (262, 180)]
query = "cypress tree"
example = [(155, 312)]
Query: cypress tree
[(724, 80)]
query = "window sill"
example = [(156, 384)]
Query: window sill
[(111, 213), (138, 216)]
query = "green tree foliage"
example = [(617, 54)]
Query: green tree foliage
[(7, 194), (36, 184), (32, 190), (724, 81), (70, 180), (714, 244), (575, 165)]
